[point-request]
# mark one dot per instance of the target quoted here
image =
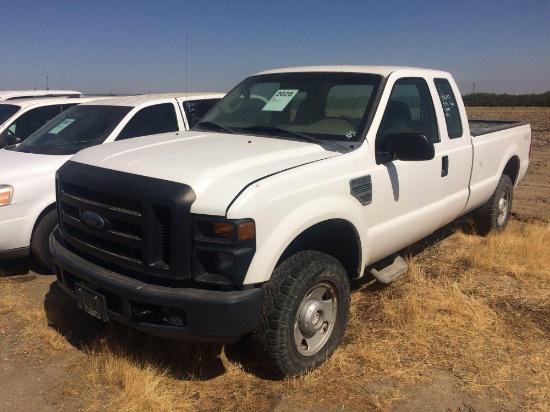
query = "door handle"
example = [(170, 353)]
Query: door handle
[(444, 166)]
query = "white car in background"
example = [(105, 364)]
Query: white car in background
[(25, 94), (19, 118), (27, 170)]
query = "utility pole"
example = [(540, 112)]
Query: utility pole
[(474, 90)]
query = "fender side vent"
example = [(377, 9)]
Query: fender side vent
[(361, 189)]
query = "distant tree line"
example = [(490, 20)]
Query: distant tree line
[(493, 100)]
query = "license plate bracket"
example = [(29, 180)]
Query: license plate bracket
[(91, 302)]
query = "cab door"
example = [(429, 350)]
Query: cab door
[(408, 197)]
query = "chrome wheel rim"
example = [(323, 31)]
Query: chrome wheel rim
[(315, 319), (503, 208)]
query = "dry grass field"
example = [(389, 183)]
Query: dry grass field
[(467, 329)]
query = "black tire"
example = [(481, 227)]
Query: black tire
[(40, 247), (297, 333), (494, 214)]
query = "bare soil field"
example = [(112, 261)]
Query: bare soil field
[(467, 329)]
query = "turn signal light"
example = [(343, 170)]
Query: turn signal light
[(247, 231), (6, 192), (228, 230)]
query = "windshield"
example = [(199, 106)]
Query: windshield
[(330, 106), (75, 129), (7, 111)]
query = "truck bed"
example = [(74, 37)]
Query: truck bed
[(481, 127)]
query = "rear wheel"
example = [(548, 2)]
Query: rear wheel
[(305, 313), (40, 239), (494, 214)]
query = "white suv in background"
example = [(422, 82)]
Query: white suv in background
[(19, 118), (27, 171)]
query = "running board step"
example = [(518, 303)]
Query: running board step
[(391, 272)]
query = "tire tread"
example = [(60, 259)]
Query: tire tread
[(270, 340)]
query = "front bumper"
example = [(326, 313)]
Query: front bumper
[(188, 313)]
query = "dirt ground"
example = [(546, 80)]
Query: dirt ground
[(40, 371)]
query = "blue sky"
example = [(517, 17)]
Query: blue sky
[(122, 46)]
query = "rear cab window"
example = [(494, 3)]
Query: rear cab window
[(450, 108), (196, 109)]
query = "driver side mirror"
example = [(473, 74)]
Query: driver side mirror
[(13, 140), (409, 146)]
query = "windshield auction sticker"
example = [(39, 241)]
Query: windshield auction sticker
[(61, 126), (280, 100)]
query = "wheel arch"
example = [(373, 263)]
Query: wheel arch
[(338, 238), (44, 212), (512, 169)]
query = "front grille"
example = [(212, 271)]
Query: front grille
[(131, 206), (142, 224)]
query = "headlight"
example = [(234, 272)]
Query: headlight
[(6, 193), (222, 250)]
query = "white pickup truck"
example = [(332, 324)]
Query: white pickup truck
[(254, 222), (27, 171)]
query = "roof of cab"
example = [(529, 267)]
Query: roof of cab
[(148, 98), (50, 101), (14, 94), (381, 70)]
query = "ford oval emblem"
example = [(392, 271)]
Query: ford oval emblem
[(94, 220)]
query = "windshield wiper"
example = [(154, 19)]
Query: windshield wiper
[(213, 125), (280, 130)]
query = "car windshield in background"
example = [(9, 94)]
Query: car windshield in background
[(75, 129), (330, 106), (7, 111)]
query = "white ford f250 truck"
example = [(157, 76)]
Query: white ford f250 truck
[(297, 181), (27, 171)]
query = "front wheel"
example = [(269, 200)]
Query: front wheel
[(494, 214), (305, 313), (40, 239)]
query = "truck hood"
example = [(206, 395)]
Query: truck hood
[(18, 165), (217, 166)]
